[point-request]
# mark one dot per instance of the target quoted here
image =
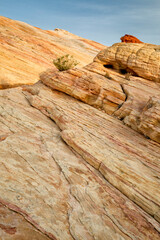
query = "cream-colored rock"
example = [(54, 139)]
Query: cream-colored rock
[(125, 158), (89, 87), (55, 187), (14, 226), (139, 58), (138, 90), (150, 119), (26, 51), (122, 96), (69, 171), (134, 111)]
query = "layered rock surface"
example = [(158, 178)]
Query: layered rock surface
[(77, 189), (14, 226), (89, 87), (26, 51), (75, 158), (141, 59), (132, 99)]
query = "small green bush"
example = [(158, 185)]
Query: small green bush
[(65, 62)]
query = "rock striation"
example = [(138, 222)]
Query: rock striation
[(130, 39), (86, 86), (14, 226), (79, 153), (74, 172), (26, 51)]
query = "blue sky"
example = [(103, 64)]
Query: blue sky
[(104, 21)]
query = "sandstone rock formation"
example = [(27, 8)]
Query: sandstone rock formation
[(124, 97), (130, 39), (140, 59), (26, 51), (76, 161), (76, 188), (89, 87)]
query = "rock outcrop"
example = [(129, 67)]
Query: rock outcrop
[(26, 51), (142, 59), (76, 161), (74, 172), (126, 97), (130, 39), (88, 87)]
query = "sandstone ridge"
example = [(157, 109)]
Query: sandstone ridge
[(26, 51), (79, 154), (73, 171)]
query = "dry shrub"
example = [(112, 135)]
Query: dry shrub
[(65, 62)]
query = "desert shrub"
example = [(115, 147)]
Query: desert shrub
[(65, 62)]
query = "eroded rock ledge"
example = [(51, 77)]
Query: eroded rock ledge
[(124, 96), (140, 59)]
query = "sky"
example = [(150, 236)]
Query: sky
[(104, 21)]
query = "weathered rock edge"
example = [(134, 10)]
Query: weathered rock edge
[(127, 99)]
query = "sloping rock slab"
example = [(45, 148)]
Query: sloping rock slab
[(126, 159), (26, 51), (13, 226), (53, 187)]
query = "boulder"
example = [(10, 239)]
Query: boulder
[(149, 121), (141, 59), (130, 39)]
